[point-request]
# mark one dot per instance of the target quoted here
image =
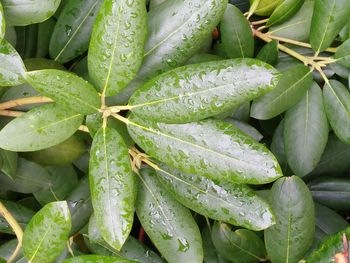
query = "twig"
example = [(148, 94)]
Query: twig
[(24, 101), (259, 22)]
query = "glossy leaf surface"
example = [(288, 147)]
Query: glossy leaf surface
[(26, 12), (47, 233), (290, 89), (113, 186), (210, 148), (284, 11), (232, 203), (97, 259), (199, 91), (9, 162), (237, 246), (269, 53), (343, 54), (115, 52), (236, 34), (306, 132), (40, 128), (72, 31), (292, 236), (2, 23), (329, 17), (169, 225), (11, 68), (66, 89)]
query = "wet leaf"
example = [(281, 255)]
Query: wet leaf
[(97, 259), (2, 23)]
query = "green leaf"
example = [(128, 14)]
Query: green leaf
[(9, 162), (202, 57), (7, 249), (199, 91), (337, 105), (155, 3), (72, 32), (44, 35), (12, 69), (332, 192), (62, 181), (329, 248), (269, 53), (113, 186), (40, 128), (285, 10), (97, 259), (306, 132), (25, 12), (264, 7), (115, 52), (246, 128), (292, 236), (2, 23), (47, 233), (171, 45), (335, 159), (21, 213), (238, 246), (343, 54), (298, 26), (277, 147), (210, 253), (169, 225), (290, 89), (66, 89), (329, 17), (233, 203), (236, 34), (210, 148)]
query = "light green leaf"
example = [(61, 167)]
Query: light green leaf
[(269, 53), (246, 128), (72, 31), (115, 52), (337, 105), (306, 132), (298, 26), (238, 246), (233, 203), (97, 259), (195, 92), (329, 17), (40, 128), (2, 23), (12, 69), (263, 7), (169, 225), (47, 233), (292, 236), (169, 46), (155, 3), (210, 148), (290, 89), (25, 12), (285, 10), (343, 54), (236, 34), (9, 162), (66, 89), (113, 186)]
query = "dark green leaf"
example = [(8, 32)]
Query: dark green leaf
[(306, 132), (66, 89), (72, 32), (292, 236), (238, 246), (97, 259), (25, 12), (9, 162), (210, 253), (113, 186), (343, 54), (199, 91), (290, 89), (171, 44), (2, 23), (329, 248), (7, 249), (169, 225), (236, 34), (210, 148), (12, 69), (332, 192), (233, 203), (298, 26), (115, 52), (202, 57), (44, 35), (329, 17), (47, 233), (269, 53), (285, 10), (40, 128), (337, 105)]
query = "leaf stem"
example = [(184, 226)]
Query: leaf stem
[(24, 101), (120, 118), (10, 113), (16, 228), (259, 22)]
